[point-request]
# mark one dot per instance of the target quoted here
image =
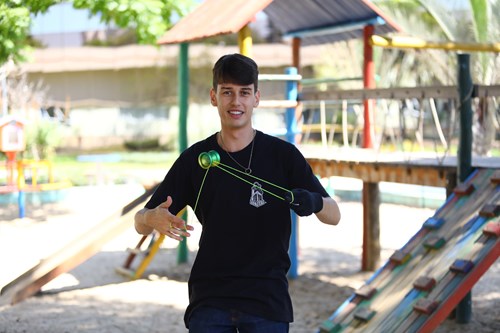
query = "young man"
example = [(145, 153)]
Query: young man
[(238, 281)]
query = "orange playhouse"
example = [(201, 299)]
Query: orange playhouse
[(12, 141)]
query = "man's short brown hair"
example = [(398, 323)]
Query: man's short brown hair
[(237, 69)]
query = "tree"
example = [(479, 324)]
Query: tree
[(149, 18), (457, 21)]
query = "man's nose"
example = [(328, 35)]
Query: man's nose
[(236, 99)]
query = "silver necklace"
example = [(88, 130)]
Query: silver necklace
[(248, 170)]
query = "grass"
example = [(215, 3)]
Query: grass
[(68, 167)]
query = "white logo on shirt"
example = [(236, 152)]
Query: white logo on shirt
[(257, 196)]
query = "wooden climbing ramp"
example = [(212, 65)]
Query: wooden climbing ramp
[(423, 282)]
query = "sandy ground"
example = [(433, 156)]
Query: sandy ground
[(94, 298)]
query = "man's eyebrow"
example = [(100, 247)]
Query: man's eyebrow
[(232, 88)]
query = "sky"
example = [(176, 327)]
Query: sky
[(64, 18)]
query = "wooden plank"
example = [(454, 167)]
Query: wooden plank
[(465, 286), (398, 93), (366, 291), (425, 306), (462, 235), (383, 93), (424, 283), (464, 189), (334, 322), (73, 254), (415, 317), (490, 210), (374, 167), (399, 313), (457, 272), (383, 172), (406, 323), (418, 266), (492, 229)]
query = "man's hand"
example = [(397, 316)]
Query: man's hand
[(303, 202), (164, 222)]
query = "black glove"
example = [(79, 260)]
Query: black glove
[(303, 202)]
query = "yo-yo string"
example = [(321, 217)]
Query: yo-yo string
[(222, 166), (199, 191), (212, 159)]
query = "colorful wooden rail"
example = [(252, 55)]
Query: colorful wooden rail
[(424, 281)]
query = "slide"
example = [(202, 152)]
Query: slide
[(73, 254), (424, 281)]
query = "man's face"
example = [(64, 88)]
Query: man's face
[(235, 104)]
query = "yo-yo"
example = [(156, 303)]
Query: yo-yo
[(209, 159)]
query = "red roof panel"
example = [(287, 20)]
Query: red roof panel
[(344, 18), (212, 18)]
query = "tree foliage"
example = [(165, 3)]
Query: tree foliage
[(149, 18), (472, 21)]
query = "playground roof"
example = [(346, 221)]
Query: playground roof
[(314, 21)]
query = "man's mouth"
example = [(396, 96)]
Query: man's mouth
[(236, 113)]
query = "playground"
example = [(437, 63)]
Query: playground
[(423, 269), (93, 298)]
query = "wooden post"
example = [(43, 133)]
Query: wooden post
[(370, 194), (371, 227)]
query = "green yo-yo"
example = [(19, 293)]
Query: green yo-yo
[(214, 158), (208, 159)]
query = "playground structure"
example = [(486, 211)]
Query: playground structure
[(17, 172), (426, 279), (365, 308), (73, 254)]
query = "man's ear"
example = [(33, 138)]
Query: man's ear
[(213, 99), (257, 98)]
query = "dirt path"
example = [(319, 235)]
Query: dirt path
[(93, 298)]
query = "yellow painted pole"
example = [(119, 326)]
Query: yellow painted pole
[(245, 41), (406, 42), (152, 252)]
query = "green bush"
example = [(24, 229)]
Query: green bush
[(42, 138), (142, 144)]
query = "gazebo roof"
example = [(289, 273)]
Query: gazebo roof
[(314, 21)]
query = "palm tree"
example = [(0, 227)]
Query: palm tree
[(451, 20)]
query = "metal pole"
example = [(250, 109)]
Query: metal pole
[(183, 79), (245, 41), (463, 310), (368, 82), (465, 89), (291, 94)]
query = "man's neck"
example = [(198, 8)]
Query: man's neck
[(235, 140)]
